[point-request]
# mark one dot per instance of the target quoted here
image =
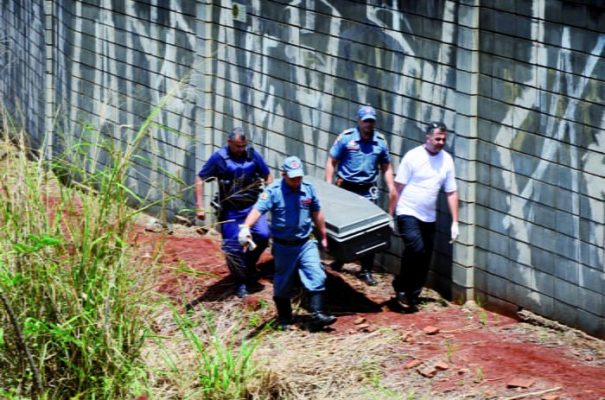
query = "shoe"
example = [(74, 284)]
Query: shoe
[(406, 302), (241, 291), (367, 278)]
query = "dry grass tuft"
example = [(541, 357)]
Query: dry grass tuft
[(301, 365)]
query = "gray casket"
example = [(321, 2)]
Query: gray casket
[(355, 226)]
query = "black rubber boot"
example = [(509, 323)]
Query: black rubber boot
[(366, 277), (318, 318), (284, 312)]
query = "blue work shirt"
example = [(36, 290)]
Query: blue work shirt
[(359, 160), (238, 177), (290, 209)]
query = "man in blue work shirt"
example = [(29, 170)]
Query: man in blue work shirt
[(358, 155), (240, 172), (294, 208)]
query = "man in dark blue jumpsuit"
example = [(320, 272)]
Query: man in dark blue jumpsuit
[(294, 208), (358, 155), (240, 172)]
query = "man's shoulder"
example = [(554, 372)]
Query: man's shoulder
[(379, 137), (222, 152), (308, 185), (309, 189), (273, 186), (216, 157), (448, 157), (344, 134), (415, 150), (270, 190)]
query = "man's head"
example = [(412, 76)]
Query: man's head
[(366, 118), (436, 134), (237, 142), (292, 172)]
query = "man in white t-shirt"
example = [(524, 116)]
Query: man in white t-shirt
[(422, 173)]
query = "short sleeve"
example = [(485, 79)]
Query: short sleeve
[(263, 169), (385, 157), (336, 149), (210, 169), (315, 204), (404, 171), (264, 202), (450, 178)]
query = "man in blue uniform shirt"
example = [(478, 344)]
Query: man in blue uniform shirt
[(358, 155), (294, 208), (240, 171)]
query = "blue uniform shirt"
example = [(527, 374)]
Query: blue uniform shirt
[(359, 160), (290, 210), (238, 178)]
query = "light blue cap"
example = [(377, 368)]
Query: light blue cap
[(366, 112), (293, 167)]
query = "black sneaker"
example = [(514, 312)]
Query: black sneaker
[(367, 278), (241, 291)]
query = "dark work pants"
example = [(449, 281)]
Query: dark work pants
[(418, 238), (242, 264)]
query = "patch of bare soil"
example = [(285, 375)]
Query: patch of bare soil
[(442, 351)]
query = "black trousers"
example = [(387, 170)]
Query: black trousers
[(418, 238)]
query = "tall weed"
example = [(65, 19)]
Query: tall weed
[(74, 311)]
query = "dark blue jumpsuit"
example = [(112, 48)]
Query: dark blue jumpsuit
[(239, 187)]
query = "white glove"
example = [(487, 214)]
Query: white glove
[(393, 225), (454, 232), (244, 236)]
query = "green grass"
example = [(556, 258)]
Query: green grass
[(74, 314)]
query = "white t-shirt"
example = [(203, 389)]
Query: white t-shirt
[(423, 175)]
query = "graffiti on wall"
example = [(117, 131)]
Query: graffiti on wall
[(557, 103)]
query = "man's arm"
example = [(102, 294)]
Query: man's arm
[(252, 217), (387, 170), (199, 198), (320, 224), (330, 167), (398, 189), (452, 202)]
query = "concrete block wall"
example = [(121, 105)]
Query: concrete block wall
[(111, 65), (23, 65), (539, 228), (520, 84)]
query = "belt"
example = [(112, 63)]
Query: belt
[(355, 187), (294, 242)]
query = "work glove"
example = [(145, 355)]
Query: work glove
[(244, 234), (454, 232), (244, 237), (393, 226)]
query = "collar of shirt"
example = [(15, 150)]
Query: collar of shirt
[(357, 136), (288, 189)]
